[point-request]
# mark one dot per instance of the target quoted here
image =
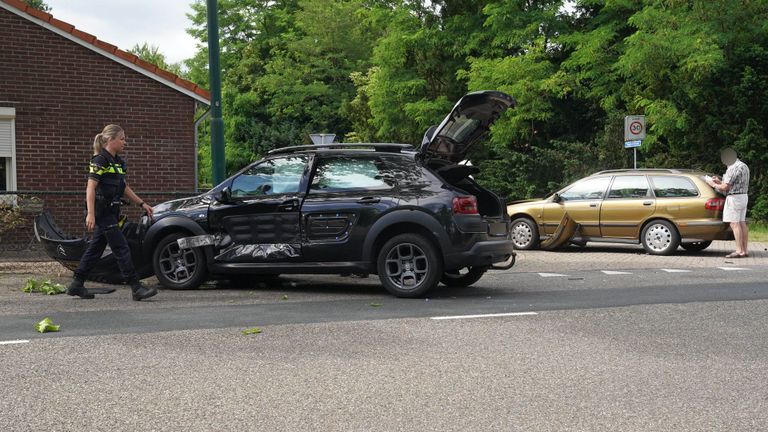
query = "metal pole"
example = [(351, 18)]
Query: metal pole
[(214, 70), (634, 150)]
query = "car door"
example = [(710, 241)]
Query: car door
[(582, 201), (346, 196), (629, 203), (259, 221)]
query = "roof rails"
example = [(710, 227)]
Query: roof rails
[(663, 170), (379, 147)]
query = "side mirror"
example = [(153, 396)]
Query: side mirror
[(557, 198), (225, 195)]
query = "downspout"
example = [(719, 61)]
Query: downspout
[(197, 154)]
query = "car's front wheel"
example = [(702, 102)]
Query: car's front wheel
[(176, 268), (409, 265), (660, 237), (525, 233), (696, 246), (463, 277)]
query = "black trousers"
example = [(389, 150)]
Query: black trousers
[(107, 232)]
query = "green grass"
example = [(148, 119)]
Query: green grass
[(758, 232)]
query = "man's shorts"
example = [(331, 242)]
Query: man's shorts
[(735, 209)]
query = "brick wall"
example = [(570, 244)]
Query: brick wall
[(65, 93)]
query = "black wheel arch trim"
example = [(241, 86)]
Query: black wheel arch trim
[(170, 224), (417, 217)]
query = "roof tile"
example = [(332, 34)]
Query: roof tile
[(105, 46), (62, 25), (84, 36), (147, 65), (37, 13)]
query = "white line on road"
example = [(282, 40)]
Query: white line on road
[(732, 268), (484, 316), (613, 272), (12, 342), (552, 275), (676, 270)]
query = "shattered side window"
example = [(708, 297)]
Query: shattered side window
[(271, 177), (346, 172)]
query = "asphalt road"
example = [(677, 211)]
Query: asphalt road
[(641, 349)]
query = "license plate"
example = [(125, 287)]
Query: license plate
[(196, 241)]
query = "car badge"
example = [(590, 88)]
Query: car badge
[(61, 251)]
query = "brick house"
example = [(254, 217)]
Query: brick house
[(59, 86)]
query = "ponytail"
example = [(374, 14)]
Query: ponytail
[(98, 144), (110, 132)]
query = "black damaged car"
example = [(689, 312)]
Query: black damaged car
[(415, 217)]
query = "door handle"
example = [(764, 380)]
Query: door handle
[(593, 205), (647, 203), (289, 205), (368, 200)]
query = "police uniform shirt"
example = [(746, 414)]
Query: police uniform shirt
[(109, 171), (737, 176)]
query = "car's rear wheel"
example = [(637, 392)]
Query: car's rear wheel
[(525, 233), (660, 237), (409, 265), (176, 268), (696, 246), (463, 277)]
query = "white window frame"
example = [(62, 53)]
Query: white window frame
[(7, 113)]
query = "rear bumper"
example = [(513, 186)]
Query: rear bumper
[(705, 231), (483, 253)]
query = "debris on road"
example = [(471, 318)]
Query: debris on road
[(250, 331), (285, 297), (46, 325), (45, 287), (375, 305)]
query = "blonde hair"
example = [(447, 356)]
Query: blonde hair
[(109, 132)]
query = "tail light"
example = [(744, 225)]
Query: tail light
[(715, 204), (465, 205)]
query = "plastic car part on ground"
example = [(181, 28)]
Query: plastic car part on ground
[(46, 325), (562, 235), (68, 249)]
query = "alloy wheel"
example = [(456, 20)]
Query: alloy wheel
[(407, 266), (178, 265), (522, 234)]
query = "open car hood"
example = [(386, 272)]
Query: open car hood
[(468, 122)]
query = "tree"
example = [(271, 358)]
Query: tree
[(152, 54), (39, 4)]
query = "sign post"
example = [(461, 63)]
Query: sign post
[(634, 133)]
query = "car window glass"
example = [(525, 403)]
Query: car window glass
[(673, 187), (635, 186), (344, 172), (589, 189), (271, 177)]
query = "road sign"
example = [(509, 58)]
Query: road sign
[(632, 144), (634, 128)]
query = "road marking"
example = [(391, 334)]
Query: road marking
[(484, 316), (552, 275), (676, 270), (13, 342), (732, 268), (613, 272)]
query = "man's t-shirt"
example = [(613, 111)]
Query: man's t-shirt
[(737, 176)]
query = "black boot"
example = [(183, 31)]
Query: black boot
[(76, 288), (140, 292)]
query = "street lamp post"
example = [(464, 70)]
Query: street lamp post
[(214, 70)]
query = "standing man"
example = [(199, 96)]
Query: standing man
[(734, 185)]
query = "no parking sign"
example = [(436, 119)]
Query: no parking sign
[(634, 128)]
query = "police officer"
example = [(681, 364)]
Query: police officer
[(106, 187)]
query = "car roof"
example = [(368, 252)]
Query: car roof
[(651, 171), (346, 148)]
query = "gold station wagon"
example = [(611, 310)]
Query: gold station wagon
[(659, 208)]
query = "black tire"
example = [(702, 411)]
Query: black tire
[(178, 269), (525, 233), (456, 279), (422, 261), (696, 246), (660, 237)]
